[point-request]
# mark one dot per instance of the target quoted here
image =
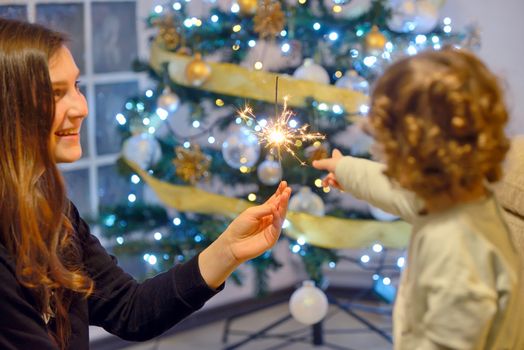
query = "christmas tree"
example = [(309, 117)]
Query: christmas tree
[(217, 133)]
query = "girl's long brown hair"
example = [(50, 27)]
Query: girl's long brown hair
[(34, 226)]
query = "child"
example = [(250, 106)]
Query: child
[(439, 119)]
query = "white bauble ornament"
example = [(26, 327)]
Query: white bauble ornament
[(351, 80), (241, 148), (416, 16), (269, 172), (311, 71), (307, 202), (352, 8), (308, 304), (381, 215), (168, 101), (142, 149)]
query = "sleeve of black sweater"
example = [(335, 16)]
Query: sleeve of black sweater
[(138, 311)]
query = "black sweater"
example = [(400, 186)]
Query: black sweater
[(122, 306)]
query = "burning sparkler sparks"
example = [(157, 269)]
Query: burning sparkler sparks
[(278, 135)]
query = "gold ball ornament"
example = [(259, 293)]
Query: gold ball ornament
[(191, 164), (197, 71), (375, 41), (247, 7)]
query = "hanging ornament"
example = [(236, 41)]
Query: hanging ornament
[(269, 172), (416, 16), (142, 149), (317, 151), (241, 148), (375, 42), (168, 101), (311, 71), (352, 81), (168, 34), (307, 202), (247, 7), (352, 9), (197, 71), (381, 215), (269, 20), (308, 304), (191, 164)]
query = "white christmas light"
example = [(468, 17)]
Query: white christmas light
[(323, 107), (447, 21), (159, 9), (337, 109), (177, 221), (214, 18), (365, 258), (283, 33), (177, 6), (421, 39), (131, 198), (196, 124), (301, 240), (293, 123), (187, 144), (235, 8), (435, 39), (412, 50), (375, 277), (359, 32), (162, 113), (333, 36), (377, 248), (140, 107), (447, 29), (157, 236), (286, 224), (389, 46), (251, 43), (149, 93), (120, 240), (151, 130), (188, 23), (386, 281), (135, 179), (295, 249), (129, 106), (364, 109), (211, 139), (370, 60), (285, 47), (332, 264), (152, 260), (121, 119), (146, 121), (401, 262), (146, 257), (316, 26)]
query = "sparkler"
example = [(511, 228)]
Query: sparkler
[(277, 134)]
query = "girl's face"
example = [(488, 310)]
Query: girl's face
[(70, 107)]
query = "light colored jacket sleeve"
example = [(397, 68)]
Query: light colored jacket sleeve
[(365, 180)]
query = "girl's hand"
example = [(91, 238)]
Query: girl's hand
[(257, 229), (329, 164)]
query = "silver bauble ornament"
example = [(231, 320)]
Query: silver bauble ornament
[(307, 202), (269, 172), (311, 71), (351, 80), (241, 148), (308, 304), (168, 101), (143, 149)]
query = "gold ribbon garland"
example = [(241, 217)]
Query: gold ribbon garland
[(234, 80), (326, 232)]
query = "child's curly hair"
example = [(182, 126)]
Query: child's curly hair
[(440, 119)]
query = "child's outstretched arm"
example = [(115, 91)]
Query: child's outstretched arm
[(365, 180)]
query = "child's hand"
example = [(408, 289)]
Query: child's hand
[(257, 229), (329, 164)]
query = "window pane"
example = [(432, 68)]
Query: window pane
[(113, 188), (110, 99), (14, 12), (114, 36), (69, 19), (77, 183)]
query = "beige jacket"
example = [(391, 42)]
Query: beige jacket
[(460, 287)]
